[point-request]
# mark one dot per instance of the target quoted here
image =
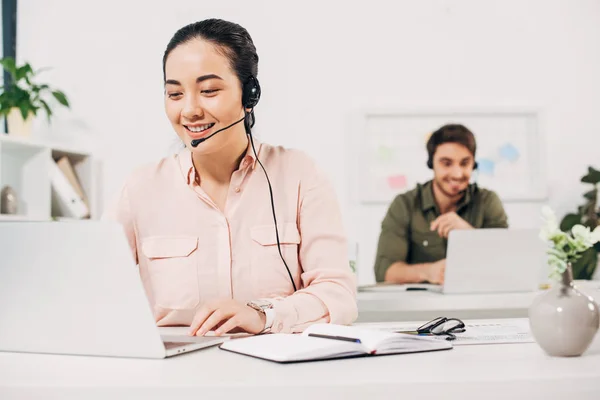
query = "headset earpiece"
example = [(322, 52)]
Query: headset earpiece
[(250, 93)]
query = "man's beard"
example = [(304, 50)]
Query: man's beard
[(440, 185)]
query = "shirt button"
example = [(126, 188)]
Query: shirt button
[(425, 243), (237, 189)]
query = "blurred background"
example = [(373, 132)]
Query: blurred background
[(356, 85)]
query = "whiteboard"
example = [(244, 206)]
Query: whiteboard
[(393, 153)]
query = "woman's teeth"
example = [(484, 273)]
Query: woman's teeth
[(201, 128)]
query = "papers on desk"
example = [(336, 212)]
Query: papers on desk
[(488, 332), (329, 341)]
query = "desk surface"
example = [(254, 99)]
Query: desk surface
[(390, 305), (480, 371)]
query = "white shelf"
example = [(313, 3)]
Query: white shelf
[(7, 217), (20, 143), (25, 165)]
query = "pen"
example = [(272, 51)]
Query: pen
[(346, 339)]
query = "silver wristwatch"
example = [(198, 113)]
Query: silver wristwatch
[(265, 307), (260, 305)]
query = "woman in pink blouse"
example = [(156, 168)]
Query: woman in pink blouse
[(201, 222)]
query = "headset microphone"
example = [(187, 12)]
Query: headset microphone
[(196, 142)]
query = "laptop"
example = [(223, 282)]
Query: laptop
[(74, 288), (486, 261), (494, 261)]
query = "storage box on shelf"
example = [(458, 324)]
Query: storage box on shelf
[(25, 165)]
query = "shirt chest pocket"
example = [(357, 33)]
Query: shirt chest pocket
[(427, 247), (269, 275), (173, 270)]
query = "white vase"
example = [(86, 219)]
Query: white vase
[(16, 125), (563, 319)]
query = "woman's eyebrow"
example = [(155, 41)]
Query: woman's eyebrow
[(198, 79)]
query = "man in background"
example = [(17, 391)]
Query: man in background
[(413, 239)]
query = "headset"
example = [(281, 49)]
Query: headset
[(430, 163), (435, 140), (250, 97)]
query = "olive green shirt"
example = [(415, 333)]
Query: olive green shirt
[(405, 231)]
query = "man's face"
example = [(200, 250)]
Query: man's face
[(452, 167)]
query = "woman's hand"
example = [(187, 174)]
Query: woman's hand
[(225, 316)]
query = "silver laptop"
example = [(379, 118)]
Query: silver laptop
[(74, 288), (494, 261)]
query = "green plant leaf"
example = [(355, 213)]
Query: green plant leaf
[(8, 63), (60, 96), (23, 71), (47, 109), (584, 267), (591, 195), (593, 176), (42, 70), (39, 88), (569, 221), (24, 110)]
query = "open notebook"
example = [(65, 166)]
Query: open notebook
[(328, 341)]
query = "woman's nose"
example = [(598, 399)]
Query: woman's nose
[(192, 109)]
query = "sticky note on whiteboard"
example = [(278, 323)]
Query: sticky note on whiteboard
[(396, 181)]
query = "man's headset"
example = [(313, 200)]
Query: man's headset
[(434, 140), (430, 163)]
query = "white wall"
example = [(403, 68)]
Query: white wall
[(320, 62)]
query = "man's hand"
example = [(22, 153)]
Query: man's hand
[(434, 272), (447, 222), (225, 316)]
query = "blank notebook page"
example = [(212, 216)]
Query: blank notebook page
[(290, 347)]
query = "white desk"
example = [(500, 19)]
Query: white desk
[(390, 305), (505, 371)]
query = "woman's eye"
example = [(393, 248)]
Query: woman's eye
[(209, 91), (174, 95)]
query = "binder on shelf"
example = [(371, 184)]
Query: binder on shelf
[(64, 164), (66, 200)]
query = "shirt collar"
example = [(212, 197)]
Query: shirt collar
[(428, 199), (189, 172)]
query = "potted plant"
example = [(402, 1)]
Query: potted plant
[(587, 215), (552, 314), (21, 98)]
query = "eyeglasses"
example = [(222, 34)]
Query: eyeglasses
[(442, 326)]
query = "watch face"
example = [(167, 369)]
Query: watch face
[(260, 304)]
